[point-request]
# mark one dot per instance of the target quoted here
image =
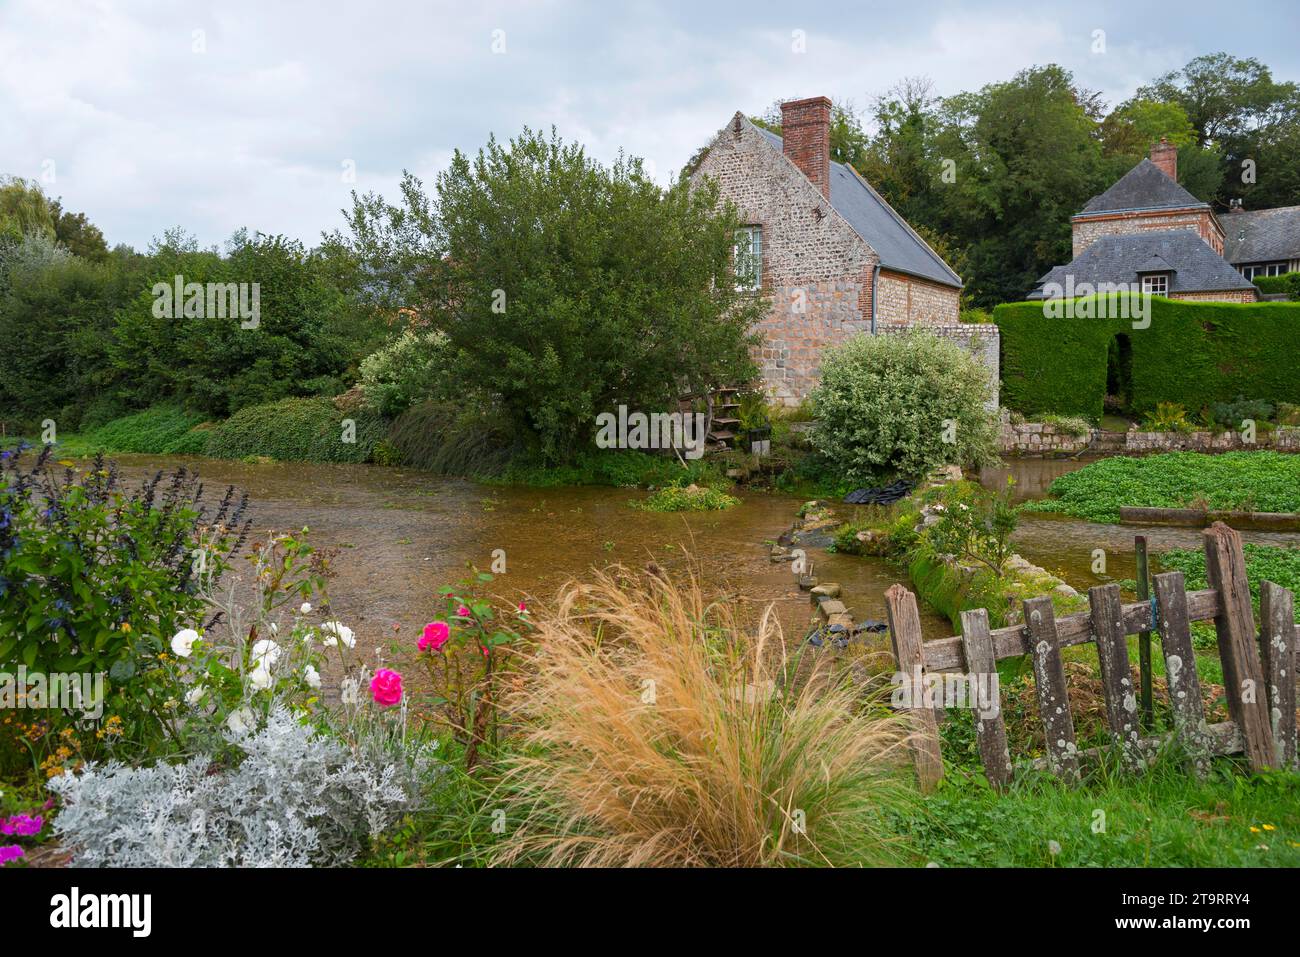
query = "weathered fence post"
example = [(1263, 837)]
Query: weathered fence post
[(1243, 674), (1180, 669), (1277, 643), (1107, 612), (1144, 638), (990, 729), (905, 635), (1049, 676)]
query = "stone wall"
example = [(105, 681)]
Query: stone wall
[(903, 298), (1039, 438), (815, 266)]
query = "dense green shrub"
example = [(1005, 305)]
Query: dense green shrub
[(902, 405), (304, 341), (298, 430), (413, 367), (1193, 354), (565, 288), (1230, 415), (1287, 284), (1261, 481), (96, 578)]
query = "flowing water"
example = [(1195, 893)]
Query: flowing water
[(402, 534)]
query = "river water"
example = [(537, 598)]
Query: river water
[(402, 534)]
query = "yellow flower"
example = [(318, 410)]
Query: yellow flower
[(126, 626), (1269, 827), (1254, 829)]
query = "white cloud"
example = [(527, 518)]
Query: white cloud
[(146, 133)]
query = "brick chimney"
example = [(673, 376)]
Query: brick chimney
[(806, 132), (1165, 155)]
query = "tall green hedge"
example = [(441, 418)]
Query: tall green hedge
[(1287, 283), (1192, 353)]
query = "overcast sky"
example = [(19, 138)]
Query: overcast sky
[(214, 116)]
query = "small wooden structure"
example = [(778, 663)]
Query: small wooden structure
[(1258, 669)]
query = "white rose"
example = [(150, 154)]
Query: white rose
[(348, 690), (195, 695), (312, 677), (260, 678), (265, 653), (241, 721), (183, 642), (305, 608), (340, 631)]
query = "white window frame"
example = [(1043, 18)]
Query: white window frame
[(747, 256), (1264, 269), (1156, 285)]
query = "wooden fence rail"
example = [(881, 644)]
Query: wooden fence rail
[(1259, 669)]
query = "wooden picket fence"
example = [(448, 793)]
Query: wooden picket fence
[(1258, 669)]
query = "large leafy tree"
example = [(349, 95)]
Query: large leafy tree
[(24, 209), (564, 287), (1025, 158)]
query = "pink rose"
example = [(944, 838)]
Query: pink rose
[(522, 608), (386, 688), (435, 636), (462, 612)]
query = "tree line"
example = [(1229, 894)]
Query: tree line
[(991, 177)]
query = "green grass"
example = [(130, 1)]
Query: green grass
[(696, 499), (160, 430), (1163, 818), (1276, 563), (1257, 481), (621, 468)]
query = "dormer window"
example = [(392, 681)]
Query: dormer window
[(749, 258), (1156, 284)]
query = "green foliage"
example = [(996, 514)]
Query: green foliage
[(1167, 417), (454, 438), (691, 498), (1230, 415), (94, 578), (1287, 284), (304, 339), (620, 468), (296, 430), (24, 209), (564, 287), (1260, 481), (889, 406), (975, 525), (1073, 425), (1275, 563), (161, 430), (1164, 817), (411, 368), (1193, 354)]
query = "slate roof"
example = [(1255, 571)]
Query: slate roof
[(1195, 267), (1145, 186), (894, 241), (1261, 235)]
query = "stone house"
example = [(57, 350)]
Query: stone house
[(836, 259), (1147, 231)]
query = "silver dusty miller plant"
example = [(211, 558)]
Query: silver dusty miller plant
[(297, 799)]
